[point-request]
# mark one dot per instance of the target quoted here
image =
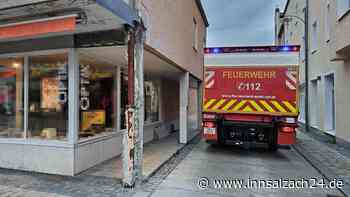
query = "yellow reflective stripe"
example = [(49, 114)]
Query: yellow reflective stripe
[(248, 109), (238, 106), (209, 103), (256, 106), (267, 106), (290, 107), (229, 104), (222, 101), (278, 106)]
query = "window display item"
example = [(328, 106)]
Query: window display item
[(49, 133), (93, 119)]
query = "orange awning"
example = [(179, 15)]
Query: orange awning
[(38, 27)]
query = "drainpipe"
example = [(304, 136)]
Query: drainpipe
[(307, 122)]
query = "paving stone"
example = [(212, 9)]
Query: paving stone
[(326, 157)]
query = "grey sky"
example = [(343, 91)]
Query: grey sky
[(241, 22)]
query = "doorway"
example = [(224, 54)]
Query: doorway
[(329, 104)]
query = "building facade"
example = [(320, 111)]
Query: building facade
[(64, 78), (328, 61)]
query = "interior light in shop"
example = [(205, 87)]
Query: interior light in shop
[(16, 65)]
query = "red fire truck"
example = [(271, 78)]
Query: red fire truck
[(251, 95)]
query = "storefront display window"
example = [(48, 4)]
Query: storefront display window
[(11, 98), (193, 109), (98, 98), (48, 97), (151, 91), (151, 101), (123, 99)]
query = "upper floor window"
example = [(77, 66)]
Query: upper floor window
[(343, 7), (314, 36), (195, 35), (328, 22)]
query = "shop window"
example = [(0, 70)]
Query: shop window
[(314, 103), (123, 99), (48, 97), (151, 101), (11, 98), (329, 104), (193, 109), (98, 98)]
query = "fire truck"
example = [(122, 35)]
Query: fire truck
[(251, 95)]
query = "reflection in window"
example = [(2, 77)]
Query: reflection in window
[(98, 93), (48, 97), (151, 101), (11, 97)]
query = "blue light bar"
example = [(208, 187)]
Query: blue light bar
[(286, 48), (216, 50), (252, 49)]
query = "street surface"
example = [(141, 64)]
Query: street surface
[(209, 164)]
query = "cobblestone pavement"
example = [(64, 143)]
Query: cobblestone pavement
[(15, 183), (203, 160), (327, 158)]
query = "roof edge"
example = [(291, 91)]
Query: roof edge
[(285, 8), (201, 10)]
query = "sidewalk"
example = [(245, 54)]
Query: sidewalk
[(102, 180), (155, 154), (325, 157)]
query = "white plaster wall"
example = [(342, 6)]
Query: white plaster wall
[(37, 158), (91, 153), (94, 152), (65, 160)]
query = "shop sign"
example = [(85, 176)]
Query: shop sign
[(84, 83), (38, 27)]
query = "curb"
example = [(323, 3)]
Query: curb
[(146, 178), (323, 170)]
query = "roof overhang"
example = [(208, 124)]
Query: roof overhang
[(202, 12), (90, 16)]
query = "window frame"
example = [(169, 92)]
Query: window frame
[(326, 77), (157, 85), (314, 36), (195, 34), (116, 89), (328, 22), (23, 58), (45, 142)]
